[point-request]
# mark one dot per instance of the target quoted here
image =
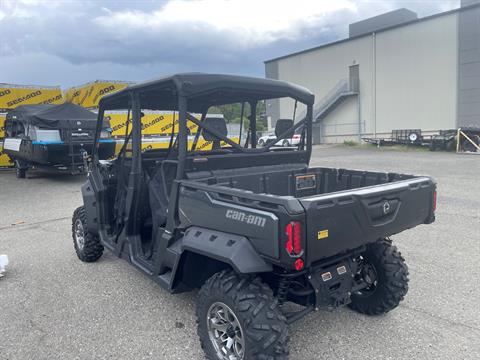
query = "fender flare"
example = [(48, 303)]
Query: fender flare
[(232, 249)]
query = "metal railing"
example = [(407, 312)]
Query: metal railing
[(340, 89)]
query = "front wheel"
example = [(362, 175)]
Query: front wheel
[(238, 318), (384, 270), (87, 246)]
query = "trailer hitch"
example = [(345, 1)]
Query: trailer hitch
[(333, 284)]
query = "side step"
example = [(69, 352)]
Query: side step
[(172, 258), (166, 280)]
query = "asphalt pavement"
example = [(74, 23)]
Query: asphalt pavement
[(53, 306)]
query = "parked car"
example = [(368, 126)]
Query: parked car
[(272, 138)]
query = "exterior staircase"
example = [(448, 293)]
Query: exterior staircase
[(342, 90)]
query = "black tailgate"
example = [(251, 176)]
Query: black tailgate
[(341, 221)]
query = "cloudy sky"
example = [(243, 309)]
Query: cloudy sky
[(68, 42)]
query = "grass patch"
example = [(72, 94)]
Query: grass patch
[(350, 143), (402, 148), (405, 148)]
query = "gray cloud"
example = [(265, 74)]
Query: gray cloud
[(60, 42)]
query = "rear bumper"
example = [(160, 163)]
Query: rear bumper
[(334, 281)]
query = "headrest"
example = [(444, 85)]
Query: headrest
[(283, 125), (215, 123)]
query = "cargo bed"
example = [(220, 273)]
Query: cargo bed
[(343, 209)]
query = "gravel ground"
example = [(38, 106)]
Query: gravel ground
[(52, 306)]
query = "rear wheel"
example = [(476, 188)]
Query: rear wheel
[(285, 143), (413, 137), (238, 319), (384, 270), (20, 170), (261, 143), (451, 145), (87, 246)]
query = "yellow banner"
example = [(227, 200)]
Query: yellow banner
[(152, 124), (2, 125), (90, 94), (13, 96), (5, 160)]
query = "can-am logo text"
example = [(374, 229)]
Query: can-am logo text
[(246, 218)]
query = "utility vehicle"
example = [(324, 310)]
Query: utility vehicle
[(253, 228)]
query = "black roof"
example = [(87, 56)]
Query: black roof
[(205, 89), (54, 116)]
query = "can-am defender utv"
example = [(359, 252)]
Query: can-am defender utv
[(52, 137), (251, 227)]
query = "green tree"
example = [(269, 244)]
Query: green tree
[(232, 113)]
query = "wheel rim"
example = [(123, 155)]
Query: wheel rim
[(285, 143), (225, 332), (79, 234)]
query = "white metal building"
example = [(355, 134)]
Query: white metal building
[(394, 71)]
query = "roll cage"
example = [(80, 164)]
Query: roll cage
[(185, 95), (133, 202), (196, 93)]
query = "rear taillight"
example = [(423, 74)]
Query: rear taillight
[(435, 200), (293, 245), (296, 137)]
